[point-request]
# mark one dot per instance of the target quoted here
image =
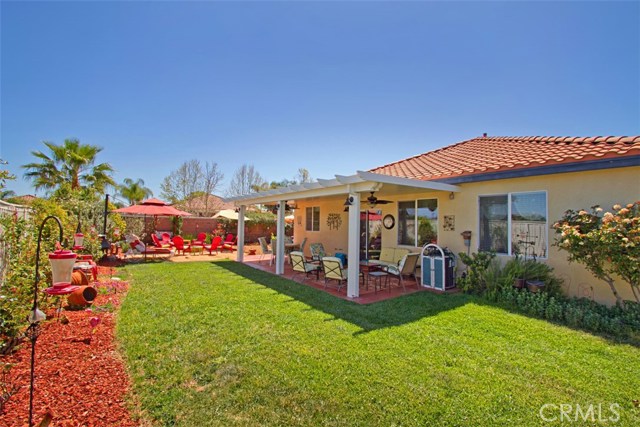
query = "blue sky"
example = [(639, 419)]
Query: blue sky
[(334, 87)]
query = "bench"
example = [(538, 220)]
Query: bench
[(392, 256)]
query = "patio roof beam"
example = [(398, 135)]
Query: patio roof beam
[(353, 179), (328, 182), (262, 198), (361, 182), (416, 183)]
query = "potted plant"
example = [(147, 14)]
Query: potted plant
[(535, 285), (516, 269), (535, 270)]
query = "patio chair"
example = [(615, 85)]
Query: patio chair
[(166, 239), (229, 242), (139, 247), (178, 242), (215, 244), (304, 242), (406, 267), (332, 268), (317, 251), (265, 250), (200, 240), (300, 264), (157, 242)]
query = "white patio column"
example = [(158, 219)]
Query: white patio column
[(353, 282), (240, 254), (280, 238)]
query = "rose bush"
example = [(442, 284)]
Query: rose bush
[(607, 244)]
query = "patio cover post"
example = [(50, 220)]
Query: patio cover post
[(280, 238), (353, 275), (240, 254)]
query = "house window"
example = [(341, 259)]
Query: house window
[(424, 213), (514, 223), (313, 219)]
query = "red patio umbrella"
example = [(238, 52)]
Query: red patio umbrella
[(152, 207)]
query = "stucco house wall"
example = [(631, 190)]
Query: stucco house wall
[(333, 239), (574, 190)]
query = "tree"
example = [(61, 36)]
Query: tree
[(134, 191), (190, 180), (211, 180), (6, 194), (245, 180), (303, 176), (608, 244), (5, 176), (70, 162)]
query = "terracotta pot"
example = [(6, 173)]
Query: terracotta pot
[(535, 285), (518, 283), (84, 295), (78, 278)]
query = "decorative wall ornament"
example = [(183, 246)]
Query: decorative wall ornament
[(449, 223), (334, 221)]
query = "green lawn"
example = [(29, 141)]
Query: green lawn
[(222, 344)]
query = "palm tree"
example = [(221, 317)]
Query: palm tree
[(6, 194), (70, 162), (134, 191)]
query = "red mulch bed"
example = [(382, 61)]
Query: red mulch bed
[(80, 378)]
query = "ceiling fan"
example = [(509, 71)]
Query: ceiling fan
[(373, 200)]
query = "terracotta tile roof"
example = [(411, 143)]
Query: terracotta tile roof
[(502, 153)]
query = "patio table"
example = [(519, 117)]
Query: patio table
[(377, 280), (367, 267)]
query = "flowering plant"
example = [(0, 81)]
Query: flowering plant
[(607, 244)]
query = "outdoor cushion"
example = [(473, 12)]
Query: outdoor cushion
[(317, 251), (299, 264), (392, 256), (333, 268)]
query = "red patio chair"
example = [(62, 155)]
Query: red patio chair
[(166, 239), (215, 244), (178, 242), (229, 242), (158, 243), (200, 240)]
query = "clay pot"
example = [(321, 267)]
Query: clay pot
[(535, 285), (78, 278), (518, 283), (84, 295)]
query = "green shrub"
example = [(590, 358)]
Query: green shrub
[(19, 241), (622, 322), (474, 280), (16, 289), (553, 310)]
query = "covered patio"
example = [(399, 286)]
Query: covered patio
[(342, 194), (367, 292)]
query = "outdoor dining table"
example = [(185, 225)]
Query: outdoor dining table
[(288, 247)]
